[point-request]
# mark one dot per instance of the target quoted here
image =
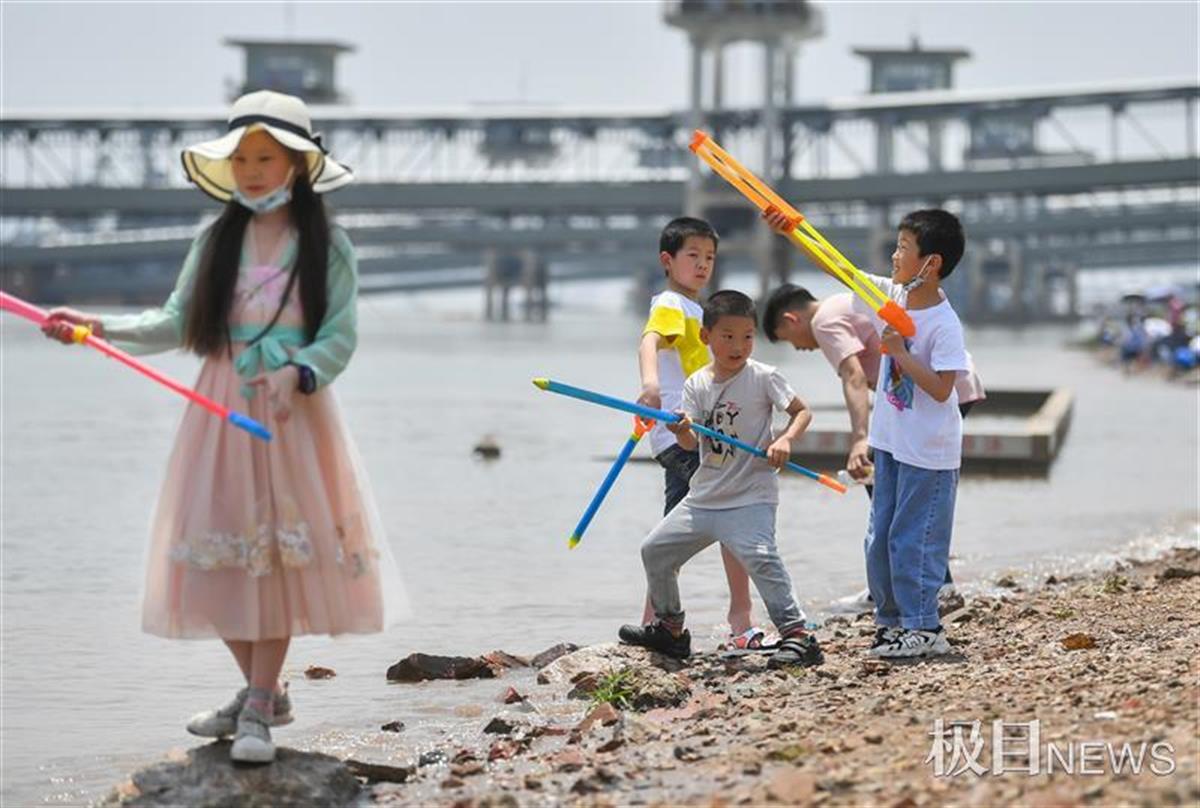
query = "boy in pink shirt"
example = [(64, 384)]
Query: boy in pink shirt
[(850, 344)]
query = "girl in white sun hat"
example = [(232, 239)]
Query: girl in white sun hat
[(257, 542)]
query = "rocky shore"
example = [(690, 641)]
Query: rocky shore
[(1081, 691)]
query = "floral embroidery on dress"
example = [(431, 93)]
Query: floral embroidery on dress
[(217, 550), (211, 551), (295, 548)]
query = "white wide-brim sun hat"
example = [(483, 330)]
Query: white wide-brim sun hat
[(283, 117)]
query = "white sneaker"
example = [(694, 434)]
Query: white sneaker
[(885, 635), (913, 643), (222, 722), (252, 744), (860, 603)]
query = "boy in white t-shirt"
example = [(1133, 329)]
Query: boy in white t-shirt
[(849, 341), (916, 435), (733, 494), (671, 350)]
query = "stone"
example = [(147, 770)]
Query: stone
[(505, 749), (393, 726), (425, 667), (611, 745), (583, 684), (876, 666), (500, 661), (1078, 642), (552, 653), (1177, 574), (539, 730), (959, 616), (602, 660), (487, 448), (604, 714), (499, 726), (511, 696), (466, 769), (379, 772), (599, 780), (568, 760), (206, 776), (318, 672)]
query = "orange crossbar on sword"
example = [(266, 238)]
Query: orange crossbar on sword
[(802, 233)]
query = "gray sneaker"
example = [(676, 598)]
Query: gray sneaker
[(252, 743), (911, 643), (222, 722)]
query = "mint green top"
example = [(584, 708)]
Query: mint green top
[(161, 329)]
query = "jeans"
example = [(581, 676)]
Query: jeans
[(748, 532), (963, 409), (908, 546), (680, 465)]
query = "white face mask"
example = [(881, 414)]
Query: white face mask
[(273, 200), (920, 277)]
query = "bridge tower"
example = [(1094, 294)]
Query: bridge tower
[(905, 70), (307, 69), (778, 27)]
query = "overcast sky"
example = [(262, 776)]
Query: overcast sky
[(588, 54)]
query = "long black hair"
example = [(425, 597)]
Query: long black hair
[(206, 325)]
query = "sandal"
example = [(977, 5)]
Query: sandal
[(750, 639)]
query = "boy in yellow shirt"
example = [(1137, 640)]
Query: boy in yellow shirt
[(670, 351)]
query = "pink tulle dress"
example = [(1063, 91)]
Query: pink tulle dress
[(253, 540)]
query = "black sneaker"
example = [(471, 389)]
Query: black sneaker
[(797, 651), (658, 638), (885, 635)]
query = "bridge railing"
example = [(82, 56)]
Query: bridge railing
[(864, 136)]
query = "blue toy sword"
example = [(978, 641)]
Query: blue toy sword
[(670, 418), (640, 427)]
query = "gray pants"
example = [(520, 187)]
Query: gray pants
[(748, 532)]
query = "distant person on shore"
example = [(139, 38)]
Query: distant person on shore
[(669, 352), (733, 495), (1134, 343), (916, 438), (256, 542), (850, 344)]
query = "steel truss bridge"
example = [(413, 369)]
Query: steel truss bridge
[(1048, 182)]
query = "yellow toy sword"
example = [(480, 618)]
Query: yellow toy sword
[(802, 233)]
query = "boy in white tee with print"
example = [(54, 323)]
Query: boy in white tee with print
[(916, 435)]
